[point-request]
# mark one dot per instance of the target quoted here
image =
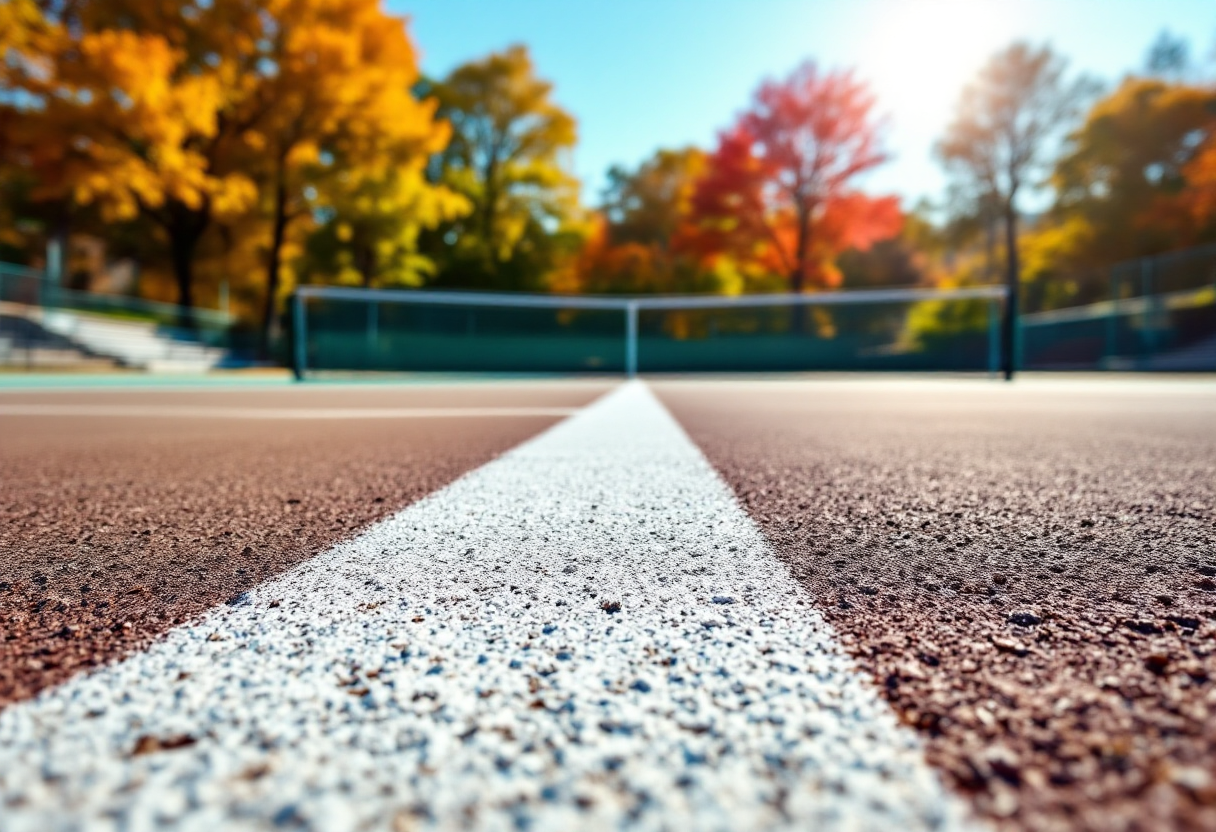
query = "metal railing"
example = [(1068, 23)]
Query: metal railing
[(42, 323), (30, 287)]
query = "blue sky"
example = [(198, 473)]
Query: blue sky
[(640, 74)]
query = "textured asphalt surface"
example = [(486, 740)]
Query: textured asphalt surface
[(587, 633), (114, 529), (1029, 571)]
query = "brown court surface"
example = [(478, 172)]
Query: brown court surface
[(115, 528), (1028, 571), (489, 394)]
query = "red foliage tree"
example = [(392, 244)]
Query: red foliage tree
[(779, 190)]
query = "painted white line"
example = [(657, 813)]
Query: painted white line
[(277, 413), (588, 633)]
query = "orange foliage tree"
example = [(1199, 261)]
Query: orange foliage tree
[(195, 117), (636, 244), (107, 111), (1130, 181), (780, 189), (1194, 208), (1184, 209)]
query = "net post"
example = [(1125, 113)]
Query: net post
[(298, 336), (1111, 343), (994, 338), (631, 339), (1148, 320)]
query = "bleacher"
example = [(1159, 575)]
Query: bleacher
[(37, 338), (136, 344)]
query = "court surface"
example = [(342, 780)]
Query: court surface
[(851, 603)]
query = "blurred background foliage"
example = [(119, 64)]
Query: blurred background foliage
[(208, 151)]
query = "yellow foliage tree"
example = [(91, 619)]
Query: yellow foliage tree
[(342, 130), (369, 221), (196, 113), (135, 107)]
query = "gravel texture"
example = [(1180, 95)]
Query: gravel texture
[(485, 393), (114, 529), (585, 634), (1028, 569)]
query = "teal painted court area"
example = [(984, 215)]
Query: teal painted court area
[(256, 380), (18, 380)]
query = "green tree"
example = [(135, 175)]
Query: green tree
[(508, 158), (1169, 57), (650, 205)]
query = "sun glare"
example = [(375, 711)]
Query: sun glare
[(919, 55)]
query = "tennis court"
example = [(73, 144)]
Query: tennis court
[(851, 601)]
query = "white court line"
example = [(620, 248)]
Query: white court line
[(464, 665), (192, 412)]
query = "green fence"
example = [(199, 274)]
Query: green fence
[(1171, 331), (1156, 313), (341, 329)]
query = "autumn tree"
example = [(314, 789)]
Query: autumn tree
[(972, 216), (508, 157), (209, 116), (1192, 209), (638, 242), (1001, 138), (137, 109), (368, 220), (886, 263), (1136, 153), (340, 127), (650, 205), (781, 186), (23, 38)]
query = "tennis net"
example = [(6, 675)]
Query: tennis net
[(338, 329)]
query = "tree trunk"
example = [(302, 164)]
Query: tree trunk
[(991, 220), (367, 265), (1009, 324), (490, 209), (798, 276), (270, 320), (184, 235), (487, 223)]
